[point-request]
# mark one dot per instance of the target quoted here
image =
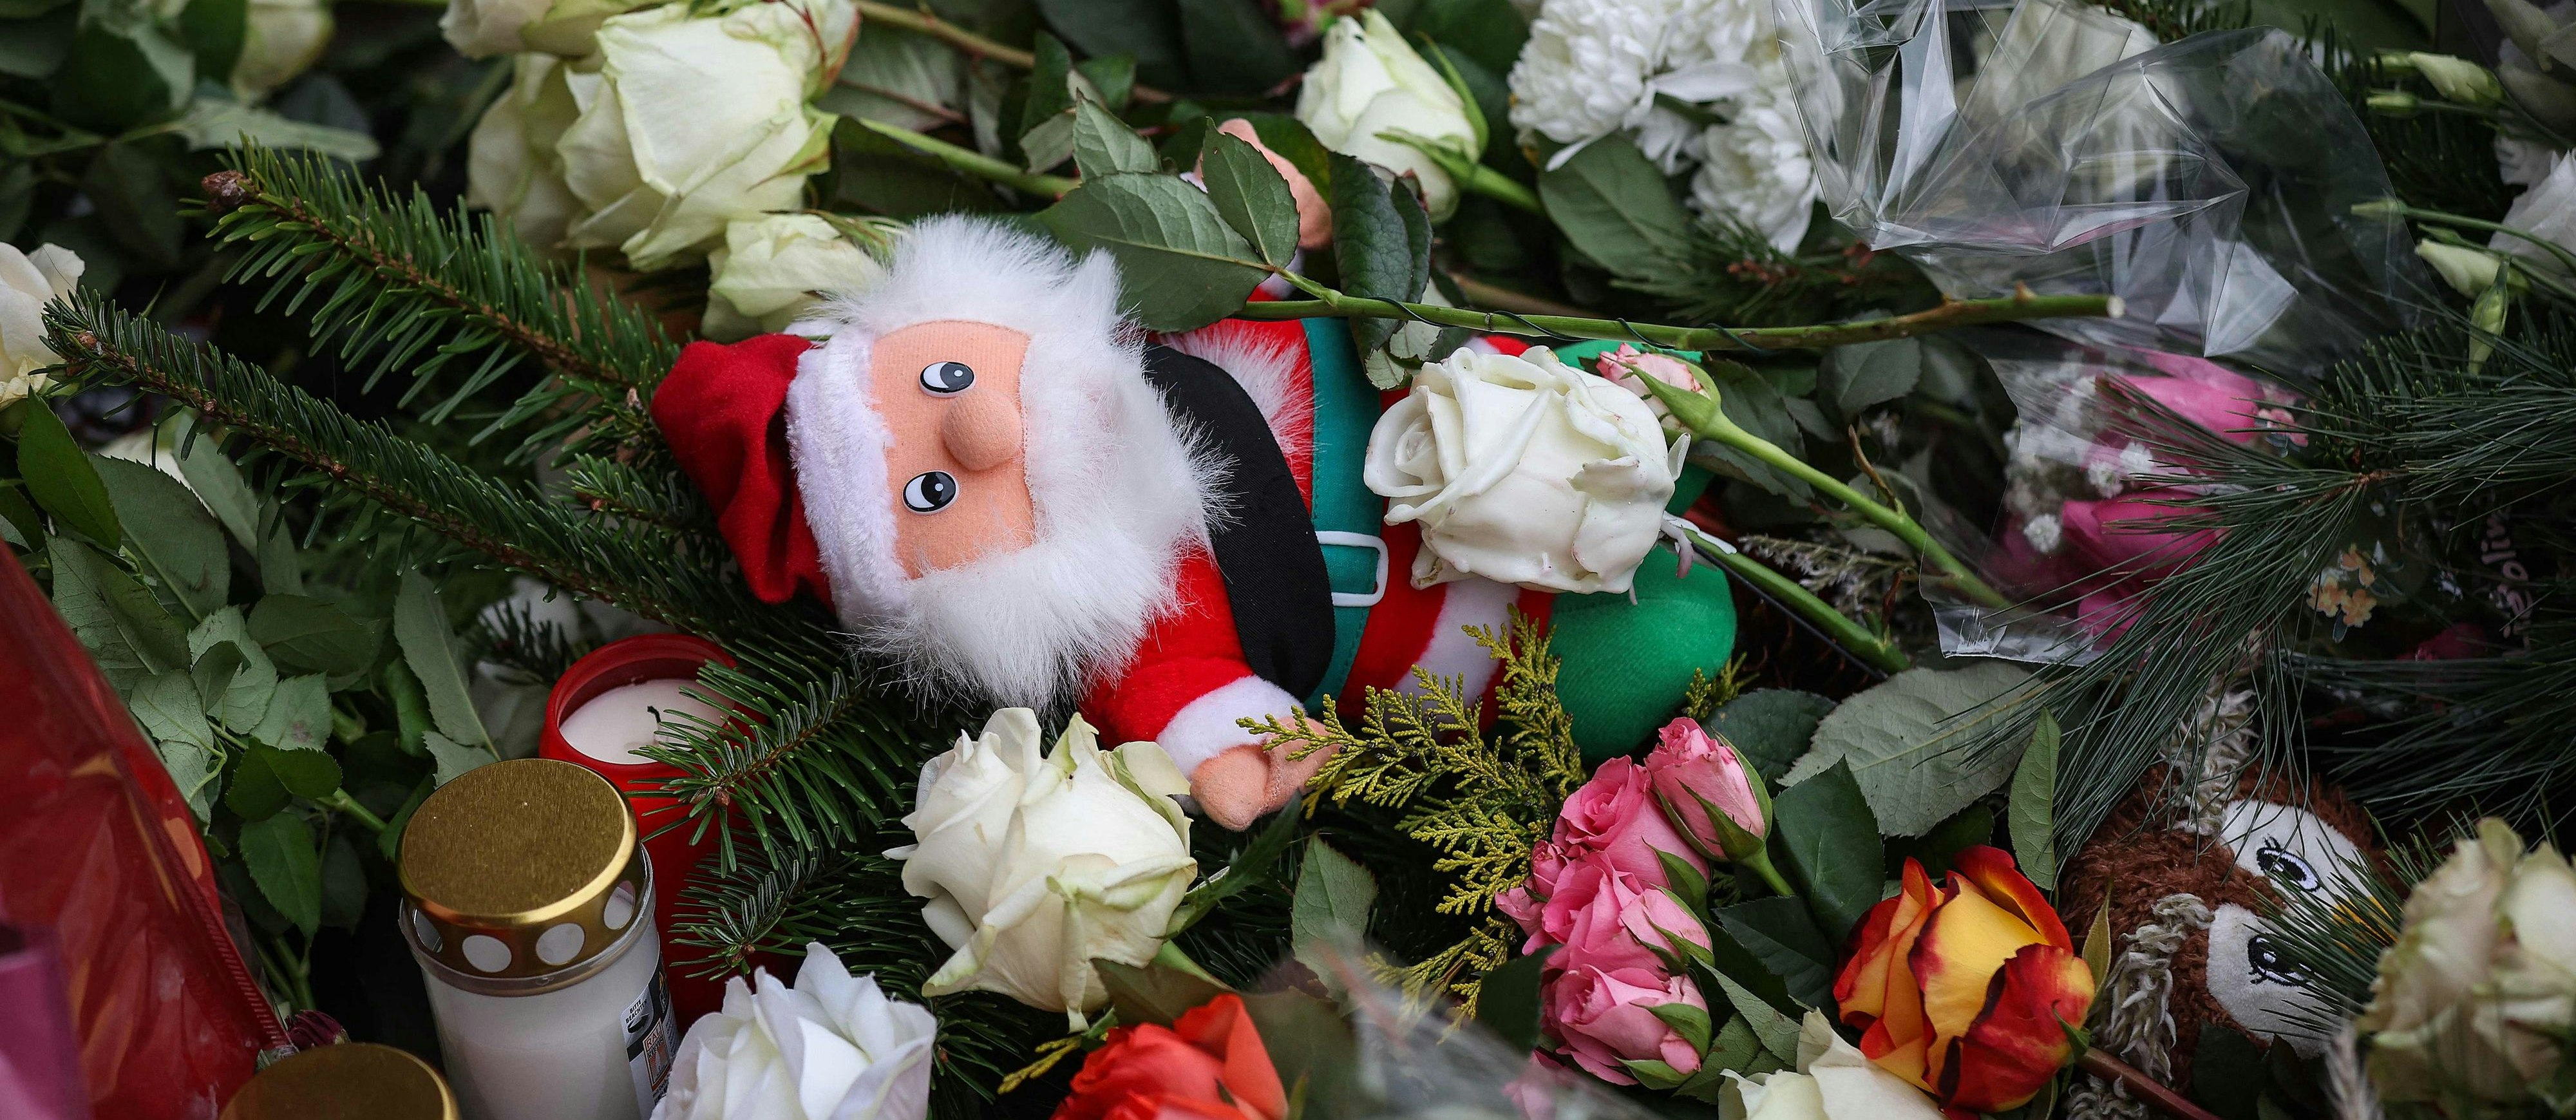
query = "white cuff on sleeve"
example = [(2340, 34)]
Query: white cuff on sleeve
[(1205, 727)]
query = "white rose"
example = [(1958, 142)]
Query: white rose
[(280, 39), (483, 28), (512, 167), (679, 124), (1370, 83), (773, 268), (28, 281), (1036, 867), (1832, 1082), (2459, 1007), (832, 1048), (1523, 470)]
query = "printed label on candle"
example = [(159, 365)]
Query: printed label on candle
[(649, 1044), (617, 723)]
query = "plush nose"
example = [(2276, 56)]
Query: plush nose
[(982, 430)]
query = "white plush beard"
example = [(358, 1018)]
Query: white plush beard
[(1034, 626)]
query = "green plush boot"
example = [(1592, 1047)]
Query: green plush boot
[(1628, 665)]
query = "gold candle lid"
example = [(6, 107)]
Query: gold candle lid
[(522, 869), (350, 1081)]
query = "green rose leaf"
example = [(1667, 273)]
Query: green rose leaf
[(61, 478), (1234, 47), (256, 792), (1611, 202), (234, 676), (411, 708), (2032, 807), (217, 123), (1252, 197), (1331, 907), (171, 534), (307, 635), (124, 628), (298, 716), (122, 71), (1769, 727), (1182, 267), (1864, 374), (166, 706), (214, 31), (454, 758), (1776, 1032), (307, 774), (1781, 934), (1827, 842), (1155, 993), (420, 628), (1374, 239), (1104, 145), (1905, 741), (1145, 30), (279, 851), (1507, 1002)]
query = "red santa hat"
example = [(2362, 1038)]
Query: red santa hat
[(786, 443)]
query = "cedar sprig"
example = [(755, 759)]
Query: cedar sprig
[(1481, 802)]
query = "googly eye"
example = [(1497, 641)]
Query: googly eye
[(2268, 963), (2281, 866), (946, 379), (930, 491)]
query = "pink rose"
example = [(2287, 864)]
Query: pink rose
[(1694, 774), (1615, 815), (1523, 903), (1606, 918), (1598, 1017), (1535, 1090), (2123, 536)]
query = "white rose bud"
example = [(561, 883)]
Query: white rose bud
[(280, 40), (680, 124), (1832, 1082), (29, 281), (2458, 79), (483, 28), (831, 1048), (773, 268), (1523, 470), (1370, 82), (1035, 867)]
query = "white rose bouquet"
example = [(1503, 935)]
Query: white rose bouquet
[(680, 124), (831, 1048), (2474, 1001), (1524, 470), (1035, 867)]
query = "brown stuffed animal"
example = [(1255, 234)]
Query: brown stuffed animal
[(2187, 870)]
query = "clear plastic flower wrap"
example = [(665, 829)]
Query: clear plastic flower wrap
[(2087, 526), (2208, 183)]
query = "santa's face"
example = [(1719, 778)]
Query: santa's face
[(955, 470)]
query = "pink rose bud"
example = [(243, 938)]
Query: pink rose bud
[(1696, 773), (1622, 366), (1615, 814), (1524, 903), (1600, 1016)]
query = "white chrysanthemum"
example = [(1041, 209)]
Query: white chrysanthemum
[(1594, 67), (1755, 169)]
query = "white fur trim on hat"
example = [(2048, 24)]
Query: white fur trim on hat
[(1205, 727), (1117, 483)]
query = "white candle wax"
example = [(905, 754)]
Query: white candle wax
[(617, 723)]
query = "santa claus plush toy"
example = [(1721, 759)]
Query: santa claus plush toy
[(1002, 489)]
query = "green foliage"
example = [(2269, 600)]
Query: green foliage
[(1181, 266), (1770, 727), (1481, 803), (1381, 243), (1611, 202), (2034, 796), (1828, 844), (1905, 742)]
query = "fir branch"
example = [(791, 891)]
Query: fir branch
[(405, 287), (663, 498)]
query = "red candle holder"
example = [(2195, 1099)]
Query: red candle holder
[(646, 657)]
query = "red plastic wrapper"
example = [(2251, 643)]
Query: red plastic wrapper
[(99, 850)]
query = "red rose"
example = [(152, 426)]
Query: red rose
[(1208, 1065)]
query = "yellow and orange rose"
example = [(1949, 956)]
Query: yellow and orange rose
[(1967, 989)]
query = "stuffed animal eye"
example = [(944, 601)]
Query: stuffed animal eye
[(946, 379), (2281, 866), (930, 491), (2269, 964)]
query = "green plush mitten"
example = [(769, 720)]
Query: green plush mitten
[(1627, 665)]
